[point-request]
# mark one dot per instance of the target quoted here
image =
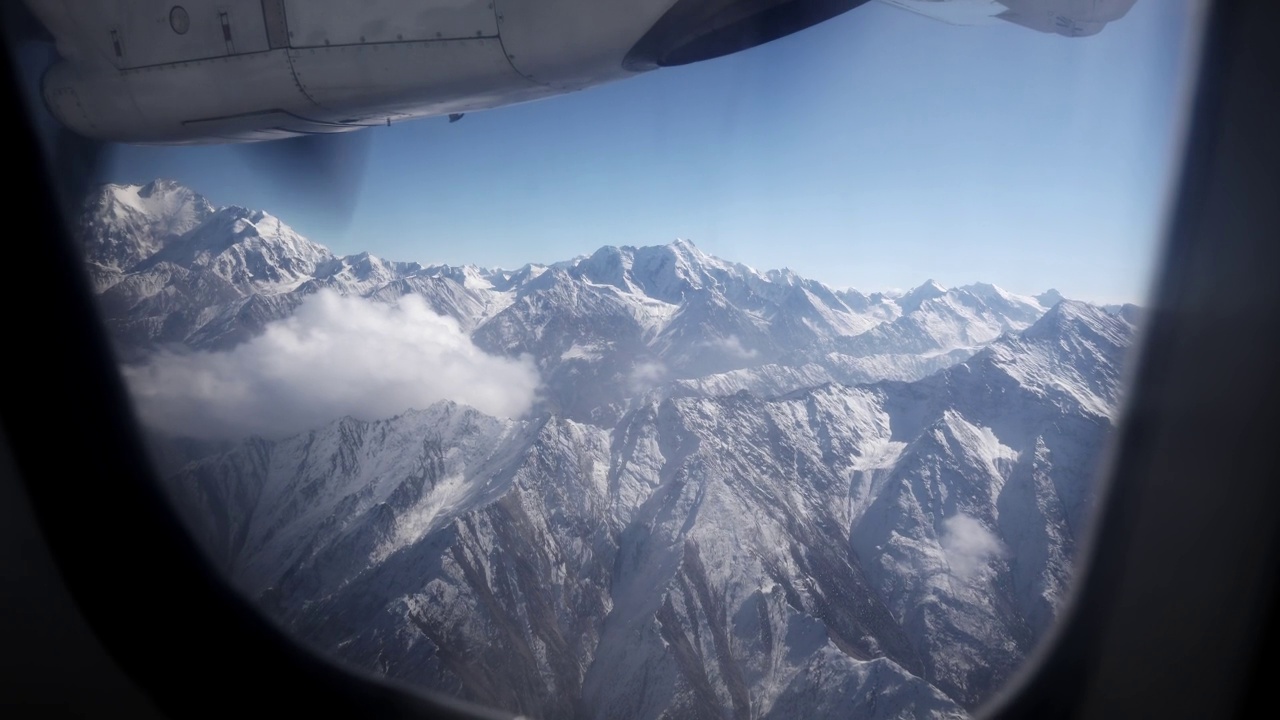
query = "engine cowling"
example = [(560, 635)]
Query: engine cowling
[(696, 30)]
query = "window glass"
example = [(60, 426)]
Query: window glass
[(770, 385)]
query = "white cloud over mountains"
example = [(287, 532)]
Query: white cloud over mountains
[(969, 545), (335, 356)]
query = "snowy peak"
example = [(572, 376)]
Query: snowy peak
[(1049, 298), (508, 280), (685, 247), (475, 278), (1075, 319), (912, 299), (995, 294), (1129, 312), (162, 187), (784, 276), (138, 227), (667, 273), (125, 224), (1073, 355), (553, 279), (363, 273), (936, 320), (609, 266), (1018, 311), (248, 248), (702, 265), (162, 201)]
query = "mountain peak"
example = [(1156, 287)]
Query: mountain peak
[(785, 276), (983, 290), (1071, 309), (1074, 318), (913, 298), (125, 224), (691, 254), (161, 185), (608, 265), (1074, 351), (1049, 298), (157, 198), (251, 249), (1129, 312)]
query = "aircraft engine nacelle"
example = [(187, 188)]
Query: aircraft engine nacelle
[(209, 71)]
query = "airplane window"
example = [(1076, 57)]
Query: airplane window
[(768, 375)]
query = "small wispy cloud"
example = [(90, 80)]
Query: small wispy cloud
[(968, 545), (731, 346), (646, 375)]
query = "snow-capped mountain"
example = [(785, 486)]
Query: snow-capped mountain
[(600, 327), (743, 493), (124, 225)]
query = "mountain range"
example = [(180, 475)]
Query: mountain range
[(739, 493)]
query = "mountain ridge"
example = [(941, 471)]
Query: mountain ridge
[(228, 276)]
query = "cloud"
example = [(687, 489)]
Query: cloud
[(646, 375), (968, 545), (335, 356), (732, 347)]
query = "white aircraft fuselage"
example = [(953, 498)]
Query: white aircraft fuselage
[(217, 71)]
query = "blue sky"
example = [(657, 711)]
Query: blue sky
[(874, 151)]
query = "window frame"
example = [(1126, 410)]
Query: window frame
[(1187, 485)]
